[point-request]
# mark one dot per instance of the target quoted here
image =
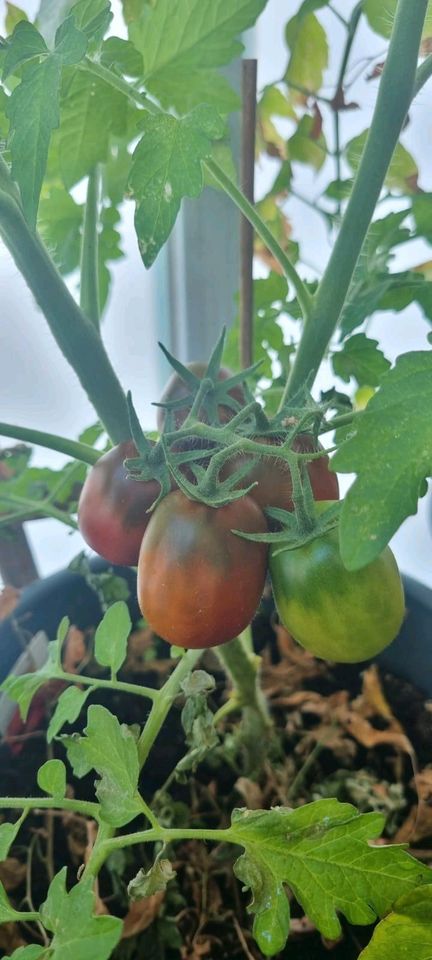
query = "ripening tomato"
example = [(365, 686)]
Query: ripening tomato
[(335, 613), (273, 478), (112, 509), (199, 584), (176, 388)]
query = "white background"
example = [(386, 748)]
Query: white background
[(38, 389)]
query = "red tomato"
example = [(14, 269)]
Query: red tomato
[(177, 388), (199, 585), (112, 509), (274, 487)]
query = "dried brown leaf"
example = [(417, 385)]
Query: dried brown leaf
[(141, 914)]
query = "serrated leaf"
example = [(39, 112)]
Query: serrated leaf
[(51, 778), (112, 635), (25, 44), (70, 43), (23, 688), (33, 110), (360, 358), (14, 15), (307, 42), (93, 17), (67, 710), (109, 748), (391, 453), (148, 882), (166, 167), (322, 852), (402, 174), (406, 932), (91, 112), (381, 16), (181, 43), (70, 917)]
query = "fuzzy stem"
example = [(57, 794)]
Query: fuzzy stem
[(394, 97), (89, 285), (72, 448), (163, 702)]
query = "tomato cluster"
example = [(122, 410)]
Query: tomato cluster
[(199, 583)]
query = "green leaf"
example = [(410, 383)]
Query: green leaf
[(33, 109), (402, 174), (307, 145), (112, 635), (68, 709), (93, 17), (25, 44), (182, 43), (23, 688), (406, 932), (381, 16), (307, 42), (422, 212), (123, 55), (33, 951), (51, 14), (147, 883), (8, 834), (339, 189), (51, 778), (322, 852), (109, 748), (7, 912), (59, 224), (197, 720), (70, 43), (91, 112), (14, 15), (70, 917), (360, 358), (166, 166), (391, 453)]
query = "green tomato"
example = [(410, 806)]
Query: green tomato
[(333, 612)]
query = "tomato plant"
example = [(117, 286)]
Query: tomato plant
[(199, 585), (337, 614), (176, 389), (113, 509)]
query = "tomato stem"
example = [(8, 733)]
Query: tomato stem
[(244, 670), (72, 448), (163, 701), (89, 267)]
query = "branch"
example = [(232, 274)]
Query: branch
[(89, 285), (72, 448)]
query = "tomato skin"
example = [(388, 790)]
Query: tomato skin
[(199, 585), (112, 509), (274, 487), (177, 388), (334, 613)]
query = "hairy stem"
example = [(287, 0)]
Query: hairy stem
[(394, 97), (89, 280), (72, 448), (163, 703), (243, 669)]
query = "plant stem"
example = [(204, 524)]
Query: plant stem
[(167, 835), (82, 680), (89, 281), (163, 702), (343, 420), (72, 448), (76, 336), (394, 98), (37, 507), (423, 74), (225, 182), (263, 232), (243, 668), (86, 808)]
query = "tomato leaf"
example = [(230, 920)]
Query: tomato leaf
[(406, 932), (307, 42), (112, 635), (402, 173), (70, 917), (67, 710), (8, 833), (123, 55), (7, 912), (33, 951), (182, 43), (322, 852), (381, 16), (109, 748), (360, 358), (91, 112), (93, 17), (25, 44), (51, 778), (23, 688), (146, 883), (14, 15), (391, 453), (166, 166)]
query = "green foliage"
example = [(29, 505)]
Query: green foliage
[(407, 931), (391, 453), (23, 688), (77, 932), (68, 708), (360, 358), (52, 778), (112, 635), (322, 852), (307, 42), (166, 167), (197, 720), (381, 16), (109, 748), (14, 15), (91, 112), (147, 883)]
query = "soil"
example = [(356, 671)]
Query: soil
[(352, 732)]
